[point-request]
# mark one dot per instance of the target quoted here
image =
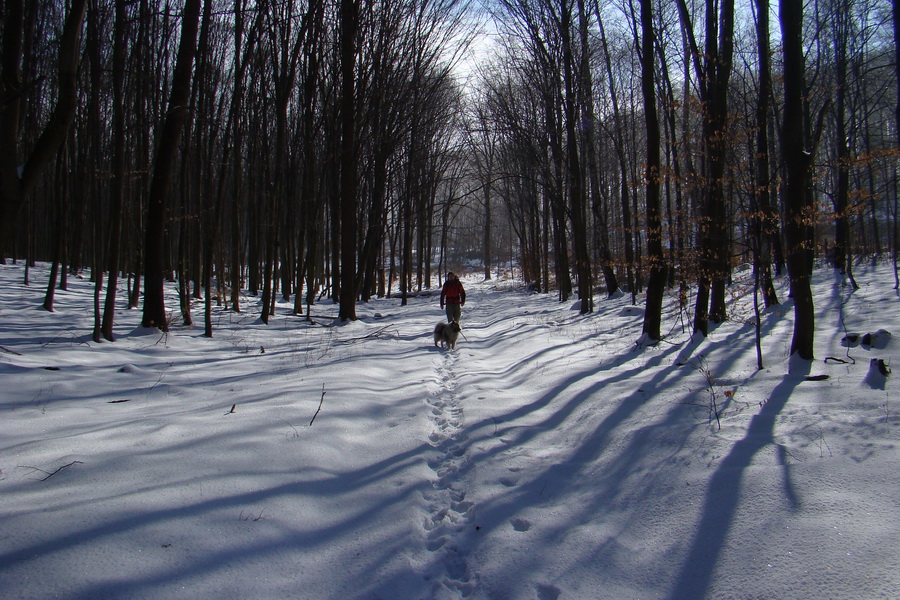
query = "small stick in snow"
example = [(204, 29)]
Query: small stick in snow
[(321, 400), (374, 334), (816, 377), (49, 475)]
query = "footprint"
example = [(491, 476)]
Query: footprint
[(436, 544), (429, 524), (447, 469), (547, 592), (457, 569), (521, 524), (439, 516)]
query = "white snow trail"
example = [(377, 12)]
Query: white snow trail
[(447, 525)]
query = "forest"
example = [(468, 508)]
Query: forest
[(351, 149)]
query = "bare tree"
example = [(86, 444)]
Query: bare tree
[(619, 145), (713, 66), (657, 282), (798, 166), (765, 220), (576, 182), (587, 101), (349, 24), (896, 23), (484, 143), (18, 182), (172, 128), (119, 174)]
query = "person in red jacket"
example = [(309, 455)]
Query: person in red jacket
[(453, 296)]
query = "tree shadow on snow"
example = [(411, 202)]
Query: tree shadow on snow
[(723, 496)]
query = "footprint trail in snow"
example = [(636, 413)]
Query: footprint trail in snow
[(448, 525)]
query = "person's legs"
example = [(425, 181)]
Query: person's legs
[(454, 312)]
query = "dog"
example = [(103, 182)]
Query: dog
[(446, 334)]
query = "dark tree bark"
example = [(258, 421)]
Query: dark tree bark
[(58, 230), (307, 239), (798, 167), (487, 239), (765, 220), (577, 214), (601, 227), (241, 57), (349, 24), (841, 32), (896, 15), (286, 65), (167, 150), (657, 282), (117, 195), (556, 200), (720, 69), (622, 161), (17, 183), (714, 73), (484, 154), (896, 19), (94, 157), (211, 199)]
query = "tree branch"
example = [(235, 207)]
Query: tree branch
[(321, 400)]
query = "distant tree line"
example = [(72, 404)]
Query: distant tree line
[(228, 145), (652, 146), (309, 148)]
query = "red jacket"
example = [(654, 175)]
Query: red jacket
[(453, 293)]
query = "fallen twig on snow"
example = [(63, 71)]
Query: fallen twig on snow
[(321, 400), (374, 334), (49, 474)]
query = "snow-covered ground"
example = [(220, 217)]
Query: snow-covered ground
[(546, 457)]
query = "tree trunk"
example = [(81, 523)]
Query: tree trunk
[(154, 314), (17, 178), (765, 220), (720, 69), (657, 282), (896, 20), (58, 233), (586, 87), (557, 206), (798, 163), (843, 256), (714, 74), (487, 238), (349, 24), (117, 191), (577, 214), (618, 140)]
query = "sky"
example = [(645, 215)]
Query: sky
[(545, 457)]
